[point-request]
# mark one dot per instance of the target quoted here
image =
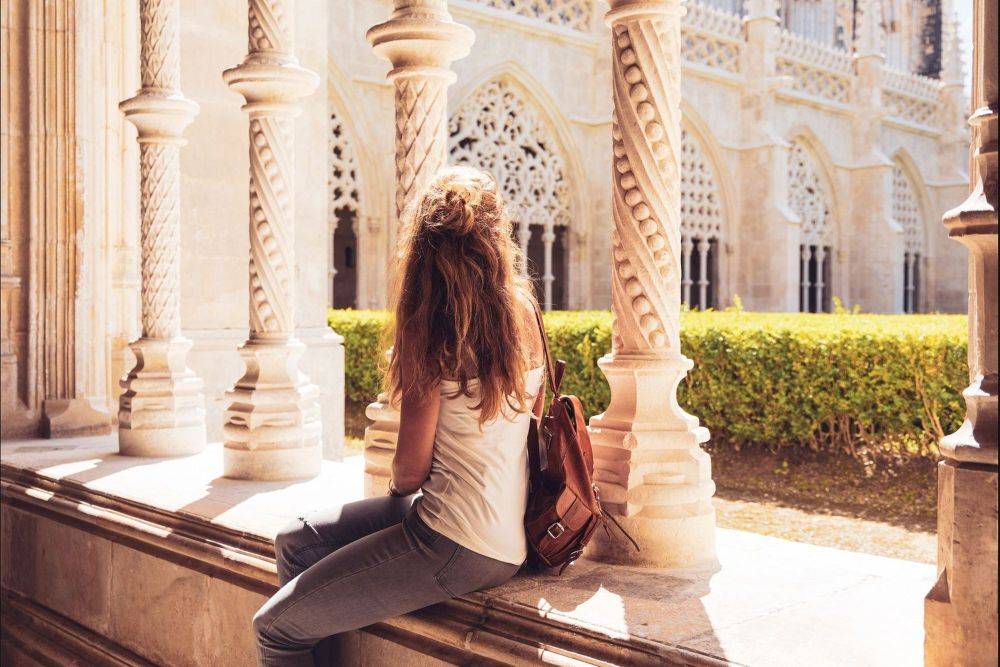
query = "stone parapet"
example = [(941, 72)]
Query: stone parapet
[(101, 553)]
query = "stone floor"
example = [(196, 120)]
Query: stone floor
[(772, 602)]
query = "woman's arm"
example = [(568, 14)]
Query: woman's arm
[(415, 445)]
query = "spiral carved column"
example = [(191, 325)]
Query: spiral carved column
[(421, 41), (273, 427), (651, 470), (162, 410)]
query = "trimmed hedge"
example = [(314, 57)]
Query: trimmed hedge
[(870, 385)]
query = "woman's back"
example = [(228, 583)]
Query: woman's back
[(477, 489)]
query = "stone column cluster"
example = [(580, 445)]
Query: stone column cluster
[(162, 410), (960, 613), (273, 426), (421, 41), (648, 462)]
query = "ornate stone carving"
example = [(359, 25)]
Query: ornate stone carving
[(273, 427), (496, 130), (573, 14), (648, 462), (807, 197), (162, 410), (421, 41)]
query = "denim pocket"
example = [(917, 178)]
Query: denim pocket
[(467, 571)]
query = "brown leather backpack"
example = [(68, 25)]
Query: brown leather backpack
[(564, 506)]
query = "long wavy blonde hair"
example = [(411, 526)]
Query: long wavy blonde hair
[(459, 294)]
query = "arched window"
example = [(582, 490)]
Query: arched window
[(807, 196), (906, 213), (701, 227), (498, 131), (342, 187)]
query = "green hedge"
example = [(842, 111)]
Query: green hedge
[(865, 384)]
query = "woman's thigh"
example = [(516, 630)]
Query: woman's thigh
[(384, 574), (309, 538), (391, 572)]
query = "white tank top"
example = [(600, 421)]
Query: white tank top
[(477, 490)]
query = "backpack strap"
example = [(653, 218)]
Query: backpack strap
[(554, 371)]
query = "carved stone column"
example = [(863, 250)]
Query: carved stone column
[(651, 469), (162, 410), (273, 427), (960, 612), (421, 41)]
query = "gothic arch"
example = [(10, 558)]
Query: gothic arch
[(904, 161), (811, 195), (908, 214), (538, 98), (355, 207), (500, 126), (704, 216)]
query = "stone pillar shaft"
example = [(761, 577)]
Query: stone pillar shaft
[(273, 427), (162, 410), (648, 462), (960, 613), (421, 41)]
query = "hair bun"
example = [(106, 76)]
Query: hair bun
[(458, 213)]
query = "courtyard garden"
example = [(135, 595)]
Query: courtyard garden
[(824, 427)]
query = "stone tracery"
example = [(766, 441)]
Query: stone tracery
[(701, 226), (498, 131), (343, 210), (906, 213), (808, 198)]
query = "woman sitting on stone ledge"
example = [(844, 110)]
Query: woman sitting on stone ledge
[(466, 370)]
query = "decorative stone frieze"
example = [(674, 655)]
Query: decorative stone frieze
[(653, 474), (421, 41), (273, 426), (162, 409), (960, 613)]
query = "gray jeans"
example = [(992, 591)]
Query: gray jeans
[(345, 568)]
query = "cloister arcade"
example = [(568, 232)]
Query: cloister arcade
[(544, 145), (168, 404)]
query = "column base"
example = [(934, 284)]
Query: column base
[(682, 542), (648, 462), (273, 464), (273, 428), (72, 417), (960, 612), (162, 410), (380, 446)]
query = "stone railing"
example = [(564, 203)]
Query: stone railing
[(816, 70), (911, 97), (571, 14), (712, 37)]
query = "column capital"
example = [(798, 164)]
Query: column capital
[(421, 39)]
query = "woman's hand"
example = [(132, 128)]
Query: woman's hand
[(415, 445)]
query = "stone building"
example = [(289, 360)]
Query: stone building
[(782, 194), (168, 405)]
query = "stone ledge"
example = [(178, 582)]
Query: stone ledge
[(207, 543), (479, 626)]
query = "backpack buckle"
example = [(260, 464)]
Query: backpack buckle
[(556, 530)]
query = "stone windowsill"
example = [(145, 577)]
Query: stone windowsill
[(771, 601)]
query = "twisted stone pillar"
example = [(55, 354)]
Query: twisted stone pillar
[(960, 612), (162, 410), (273, 426), (651, 470), (421, 41)]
